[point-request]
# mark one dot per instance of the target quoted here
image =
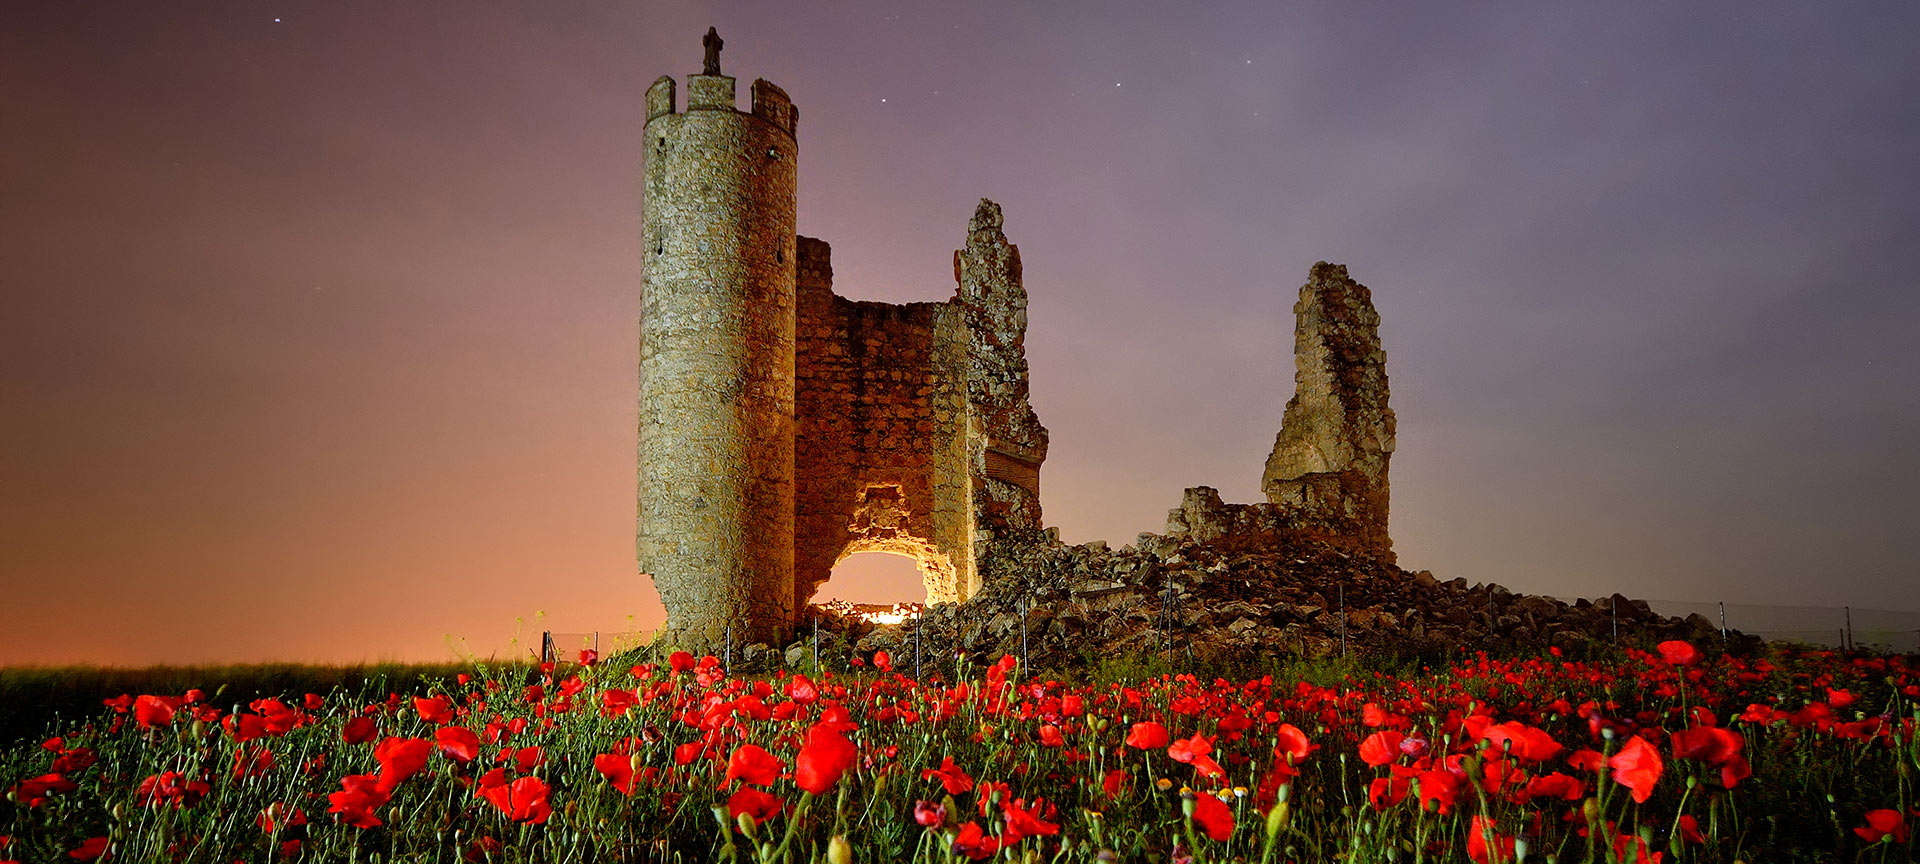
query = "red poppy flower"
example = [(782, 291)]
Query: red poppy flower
[(1023, 821), (437, 710), (35, 791), (1381, 748), (825, 757), (359, 796), (359, 730), (1113, 782), (77, 759), (617, 768), (684, 754), (617, 702), (1213, 816), (523, 800), (756, 804), (929, 814), (1147, 735), (151, 711), (952, 778), (1194, 751), (802, 690), (1586, 760), (974, 843), (1637, 766), (680, 661), (1522, 741), (1690, 830), (170, 787), (89, 849), (1485, 845), (458, 742), (252, 762), (401, 758), (1288, 739), (1050, 735), (1883, 823), (883, 661), (1440, 787), (1556, 785), (1679, 653), (1385, 792), (1187, 749), (754, 765)]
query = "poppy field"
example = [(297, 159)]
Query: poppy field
[(1667, 755)]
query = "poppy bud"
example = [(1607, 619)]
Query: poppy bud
[(1591, 810), (838, 851), (1276, 821), (745, 823), (636, 763)]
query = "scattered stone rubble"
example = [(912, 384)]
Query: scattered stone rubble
[(1174, 594)]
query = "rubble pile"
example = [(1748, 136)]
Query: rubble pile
[(1169, 594)]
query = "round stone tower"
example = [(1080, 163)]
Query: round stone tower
[(716, 493)]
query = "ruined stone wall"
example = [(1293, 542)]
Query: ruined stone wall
[(881, 426), (1007, 443), (716, 439), (915, 435), (1328, 468)]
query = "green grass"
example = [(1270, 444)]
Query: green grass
[(34, 699)]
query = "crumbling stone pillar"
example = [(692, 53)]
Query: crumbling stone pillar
[(1328, 469), (716, 427), (1008, 443)]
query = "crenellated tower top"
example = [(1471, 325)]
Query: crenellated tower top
[(712, 91)]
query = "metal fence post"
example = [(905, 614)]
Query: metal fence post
[(546, 646), (728, 667), (1614, 608), (1848, 610), (916, 649), (1023, 635), (816, 644), (1342, 590), (1723, 621)]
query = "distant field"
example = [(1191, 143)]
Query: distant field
[(32, 698)]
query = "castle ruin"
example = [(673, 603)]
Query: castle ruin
[(784, 427)]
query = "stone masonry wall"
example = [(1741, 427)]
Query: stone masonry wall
[(881, 426), (1007, 444), (716, 438), (1328, 468)]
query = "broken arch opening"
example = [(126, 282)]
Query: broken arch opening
[(875, 579)]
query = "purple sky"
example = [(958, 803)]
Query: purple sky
[(318, 336)]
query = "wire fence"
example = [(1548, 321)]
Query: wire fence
[(567, 646), (1845, 627)]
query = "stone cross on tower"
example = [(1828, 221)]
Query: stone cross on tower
[(713, 43)]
